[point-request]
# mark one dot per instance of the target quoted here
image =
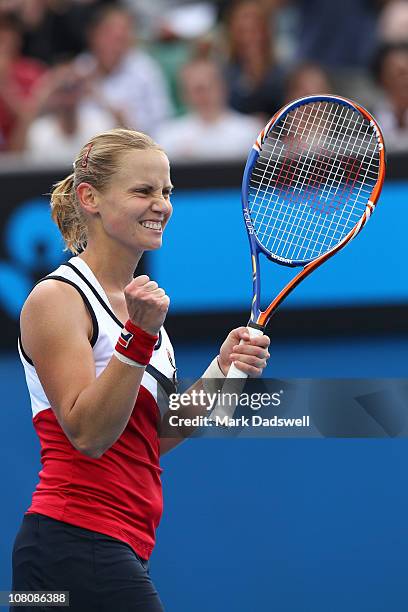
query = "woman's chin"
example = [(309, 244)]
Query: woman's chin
[(153, 245)]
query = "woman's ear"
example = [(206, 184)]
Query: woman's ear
[(88, 199)]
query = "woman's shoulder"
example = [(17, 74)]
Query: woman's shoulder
[(52, 310), (51, 302)]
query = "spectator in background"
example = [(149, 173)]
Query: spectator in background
[(126, 76), (18, 78), (181, 32), (58, 120), (391, 69), (393, 21), (255, 80), (337, 34), (307, 80), (342, 37), (53, 28), (211, 130)]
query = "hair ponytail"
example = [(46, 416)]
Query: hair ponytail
[(66, 213)]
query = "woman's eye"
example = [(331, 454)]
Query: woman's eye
[(146, 192)]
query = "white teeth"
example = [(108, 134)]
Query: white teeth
[(156, 225)]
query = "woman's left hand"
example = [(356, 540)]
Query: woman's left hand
[(251, 356)]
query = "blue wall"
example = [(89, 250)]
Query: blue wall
[(260, 525), (207, 246)]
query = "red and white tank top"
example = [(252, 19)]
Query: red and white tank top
[(120, 493)]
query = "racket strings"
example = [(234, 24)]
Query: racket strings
[(315, 172), (326, 160), (299, 124), (283, 176), (318, 177), (312, 180)]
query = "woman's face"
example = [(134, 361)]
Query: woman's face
[(136, 207)]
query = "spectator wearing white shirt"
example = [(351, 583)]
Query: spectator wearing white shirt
[(58, 120), (123, 74), (210, 130), (47, 141)]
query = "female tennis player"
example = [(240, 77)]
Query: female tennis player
[(98, 363)]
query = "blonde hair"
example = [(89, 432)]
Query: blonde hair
[(96, 163)]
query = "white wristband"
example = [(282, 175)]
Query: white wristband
[(128, 361), (213, 370), (213, 377)]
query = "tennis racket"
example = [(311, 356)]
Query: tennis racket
[(311, 182)]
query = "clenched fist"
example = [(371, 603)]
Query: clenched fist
[(147, 304)]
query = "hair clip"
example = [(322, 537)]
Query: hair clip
[(84, 161)]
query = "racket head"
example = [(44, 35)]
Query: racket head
[(311, 182), (314, 173)]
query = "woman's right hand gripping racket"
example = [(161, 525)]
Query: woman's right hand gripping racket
[(310, 184)]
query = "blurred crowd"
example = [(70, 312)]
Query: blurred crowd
[(200, 77)]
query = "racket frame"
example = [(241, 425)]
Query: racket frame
[(260, 318)]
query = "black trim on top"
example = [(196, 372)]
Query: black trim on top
[(20, 344), (95, 326), (95, 292), (168, 385), (102, 302), (159, 341)]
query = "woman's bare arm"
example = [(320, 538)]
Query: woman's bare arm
[(92, 411)]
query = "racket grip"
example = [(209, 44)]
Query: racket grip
[(235, 372), (234, 383)]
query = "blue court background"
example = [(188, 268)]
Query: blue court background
[(258, 525)]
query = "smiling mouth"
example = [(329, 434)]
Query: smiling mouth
[(152, 225)]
